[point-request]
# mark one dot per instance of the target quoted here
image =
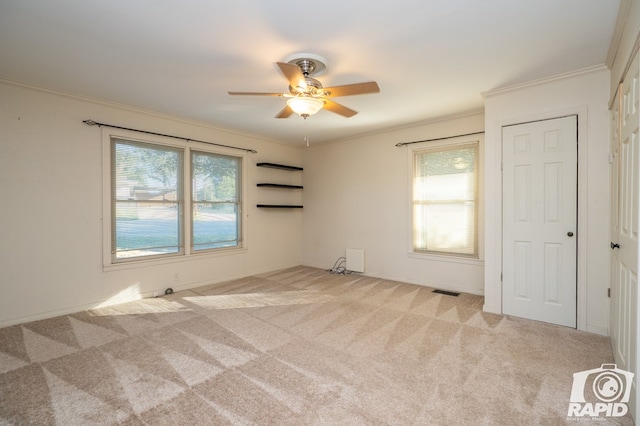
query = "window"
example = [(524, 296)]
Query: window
[(215, 200), (444, 200), (148, 205), (147, 200)]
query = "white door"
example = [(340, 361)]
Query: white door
[(624, 225), (539, 187), (619, 327)]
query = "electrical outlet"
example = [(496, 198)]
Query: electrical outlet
[(175, 277)]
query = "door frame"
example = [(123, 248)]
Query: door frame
[(495, 268)]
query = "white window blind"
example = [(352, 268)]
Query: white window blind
[(444, 200)]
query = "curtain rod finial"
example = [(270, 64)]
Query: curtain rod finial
[(89, 122)]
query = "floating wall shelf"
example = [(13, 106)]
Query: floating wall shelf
[(279, 166), (279, 206), (279, 185)]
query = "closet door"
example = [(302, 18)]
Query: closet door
[(624, 224)]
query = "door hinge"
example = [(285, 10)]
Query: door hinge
[(500, 276), (609, 292)]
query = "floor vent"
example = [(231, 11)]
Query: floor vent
[(447, 293)]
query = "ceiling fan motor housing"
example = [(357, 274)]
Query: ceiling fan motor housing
[(314, 88)]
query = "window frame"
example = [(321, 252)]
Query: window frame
[(238, 201), (179, 202), (442, 145), (187, 251)]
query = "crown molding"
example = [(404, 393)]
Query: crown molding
[(545, 80), (618, 31)]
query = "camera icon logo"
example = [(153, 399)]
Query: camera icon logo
[(601, 391)]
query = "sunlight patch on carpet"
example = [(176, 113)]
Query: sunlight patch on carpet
[(256, 300)]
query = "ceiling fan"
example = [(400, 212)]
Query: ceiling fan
[(306, 94)]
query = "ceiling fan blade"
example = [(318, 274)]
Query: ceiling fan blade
[(293, 74), (338, 109), (255, 93), (286, 112), (353, 89)]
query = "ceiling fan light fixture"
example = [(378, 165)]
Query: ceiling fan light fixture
[(305, 106)]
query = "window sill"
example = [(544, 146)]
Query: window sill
[(143, 263), (446, 258)]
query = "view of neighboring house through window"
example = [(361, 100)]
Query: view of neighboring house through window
[(444, 200), (148, 200)]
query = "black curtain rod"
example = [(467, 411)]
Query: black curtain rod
[(439, 139), (95, 123)]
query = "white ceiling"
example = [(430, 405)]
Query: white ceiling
[(431, 58)]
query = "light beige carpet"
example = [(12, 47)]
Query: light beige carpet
[(295, 347)]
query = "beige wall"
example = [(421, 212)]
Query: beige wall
[(51, 178), (357, 195)]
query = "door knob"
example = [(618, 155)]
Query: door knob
[(614, 246), (570, 234)]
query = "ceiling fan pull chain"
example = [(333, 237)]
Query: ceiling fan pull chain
[(306, 134)]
